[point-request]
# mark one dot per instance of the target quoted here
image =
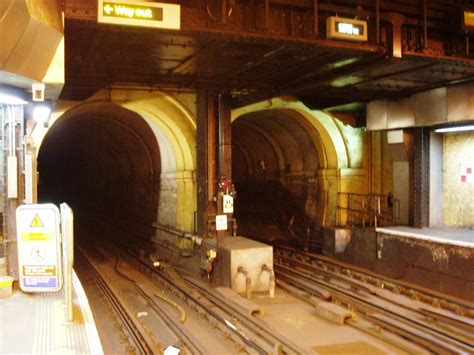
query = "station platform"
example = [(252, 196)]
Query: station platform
[(437, 259), (453, 236), (36, 324), (441, 259)]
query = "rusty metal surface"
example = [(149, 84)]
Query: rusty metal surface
[(411, 314), (438, 266), (264, 49)]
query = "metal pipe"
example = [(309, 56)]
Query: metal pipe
[(267, 14), (234, 227), (224, 11), (173, 231), (271, 291), (425, 24), (248, 281), (377, 20), (316, 17)]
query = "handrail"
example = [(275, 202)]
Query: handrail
[(366, 210)]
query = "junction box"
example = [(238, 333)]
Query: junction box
[(242, 264)]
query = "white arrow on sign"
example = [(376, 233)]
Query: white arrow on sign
[(108, 9)]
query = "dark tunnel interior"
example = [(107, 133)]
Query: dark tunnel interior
[(105, 163), (274, 166)]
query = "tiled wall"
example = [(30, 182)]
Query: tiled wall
[(458, 191)]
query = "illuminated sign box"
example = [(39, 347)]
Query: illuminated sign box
[(141, 14), (347, 29), (468, 20)]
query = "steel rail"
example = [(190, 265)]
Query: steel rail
[(453, 327), (424, 295), (419, 333), (186, 338), (361, 286), (262, 329), (241, 338), (135, 335)]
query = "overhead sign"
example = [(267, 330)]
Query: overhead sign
[(39, 248), (345, 28), (468, 19), (142, 14)]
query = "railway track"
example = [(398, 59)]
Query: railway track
[(249, 334), (323, 264), (186, 340), (131, 334), (447, 330), (141, 337), (414, 325)]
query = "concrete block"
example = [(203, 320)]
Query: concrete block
[(238, 252), (335, 240), (250, 307), (332, 312)]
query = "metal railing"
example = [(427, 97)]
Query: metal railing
[(366, 210)]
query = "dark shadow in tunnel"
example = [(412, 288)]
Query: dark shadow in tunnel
[(104, 161), (274, 168)]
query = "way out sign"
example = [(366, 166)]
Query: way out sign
[(39, 248)]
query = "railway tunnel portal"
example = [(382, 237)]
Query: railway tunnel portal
[(122, 164), (132, 162), (289, 164)]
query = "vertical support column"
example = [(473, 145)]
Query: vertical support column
[(206, 151), (377, 21), (224, 11), (214, 154), (267, 15), (12, 141), (425, 24), (421, 183), (315, 17), (224, 154), (225, 138)]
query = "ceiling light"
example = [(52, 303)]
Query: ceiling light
[(11, 100), (455, 129), (41, 114)]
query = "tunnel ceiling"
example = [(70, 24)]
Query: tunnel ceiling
[(256, 62), (105, 162)]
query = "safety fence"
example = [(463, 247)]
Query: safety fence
[(367, 210)]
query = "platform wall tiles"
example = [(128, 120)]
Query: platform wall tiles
[(459, 180)]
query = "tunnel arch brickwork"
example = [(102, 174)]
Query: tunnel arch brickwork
[(338, 149), (171, 128)]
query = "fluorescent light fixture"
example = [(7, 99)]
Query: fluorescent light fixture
[(11, 100), (455, 129), (41, 114)]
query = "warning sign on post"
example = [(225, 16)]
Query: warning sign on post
[(228, 204), (39, 252), (221, 222)]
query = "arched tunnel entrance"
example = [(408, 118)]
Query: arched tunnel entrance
[(105, 163), (275, 162)]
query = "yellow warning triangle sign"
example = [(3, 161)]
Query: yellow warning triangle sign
[(36, 222)]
